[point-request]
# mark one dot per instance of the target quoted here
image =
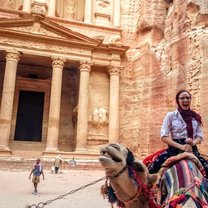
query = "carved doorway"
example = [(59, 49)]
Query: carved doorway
[(29, 116)]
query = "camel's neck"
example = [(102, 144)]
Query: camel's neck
[(126, 189)]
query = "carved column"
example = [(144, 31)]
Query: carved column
[(55, 101), (114, 104), (52, 8), (116, 13), (88, 11), (82, 121), (26, 6), (12, 59)]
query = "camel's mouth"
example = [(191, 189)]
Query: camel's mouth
[(111, 155), (113, 159)]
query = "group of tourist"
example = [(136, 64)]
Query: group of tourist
[(37, 171)]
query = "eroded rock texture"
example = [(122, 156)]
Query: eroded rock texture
[(168, 51)]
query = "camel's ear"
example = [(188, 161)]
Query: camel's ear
[(130, 158), (139, 166), (154, 179)]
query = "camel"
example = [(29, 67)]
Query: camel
[(128, 180), (180, 182)]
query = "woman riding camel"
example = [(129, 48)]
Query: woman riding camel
[(185, 127)]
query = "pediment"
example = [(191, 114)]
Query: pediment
[(43, 30)]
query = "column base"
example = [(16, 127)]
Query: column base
[(51, 149), (5, 151), (81, 149), (51, 152)]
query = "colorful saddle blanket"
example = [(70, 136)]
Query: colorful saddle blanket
[(181, 180)]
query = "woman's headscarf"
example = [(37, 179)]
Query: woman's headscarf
[(188, 115)]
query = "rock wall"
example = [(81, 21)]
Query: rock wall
[(168, 51)]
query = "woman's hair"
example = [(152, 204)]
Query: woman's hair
[(178, 94)]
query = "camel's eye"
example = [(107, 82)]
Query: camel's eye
[(103, 152)]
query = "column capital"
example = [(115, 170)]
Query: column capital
[(58, 62), (114, 70), (85, 66), (12, 56)]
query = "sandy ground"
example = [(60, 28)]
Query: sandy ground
[(16, 189)]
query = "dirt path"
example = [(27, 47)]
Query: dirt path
[(16, 189)]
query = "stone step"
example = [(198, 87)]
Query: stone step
[(27, 154), (16, 163)]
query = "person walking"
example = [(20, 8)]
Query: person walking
[(37, 170), (58, 163), (181, 131)]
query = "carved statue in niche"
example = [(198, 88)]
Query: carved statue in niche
[(99, 117), (77, 7), (69, 9)]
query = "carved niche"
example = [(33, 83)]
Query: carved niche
[(102, 11), (70, 9), (98, 124)]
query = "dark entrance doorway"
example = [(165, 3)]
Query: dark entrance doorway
[(29, 116)]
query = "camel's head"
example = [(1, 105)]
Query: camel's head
[(114, 158), (127, 177)]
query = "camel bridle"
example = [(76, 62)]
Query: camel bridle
[(135, 197), (118, 174), (141, 186)]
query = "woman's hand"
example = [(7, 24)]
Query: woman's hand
[(187, 148), (189, 141)]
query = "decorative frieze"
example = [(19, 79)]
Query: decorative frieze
[(70, 53)]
